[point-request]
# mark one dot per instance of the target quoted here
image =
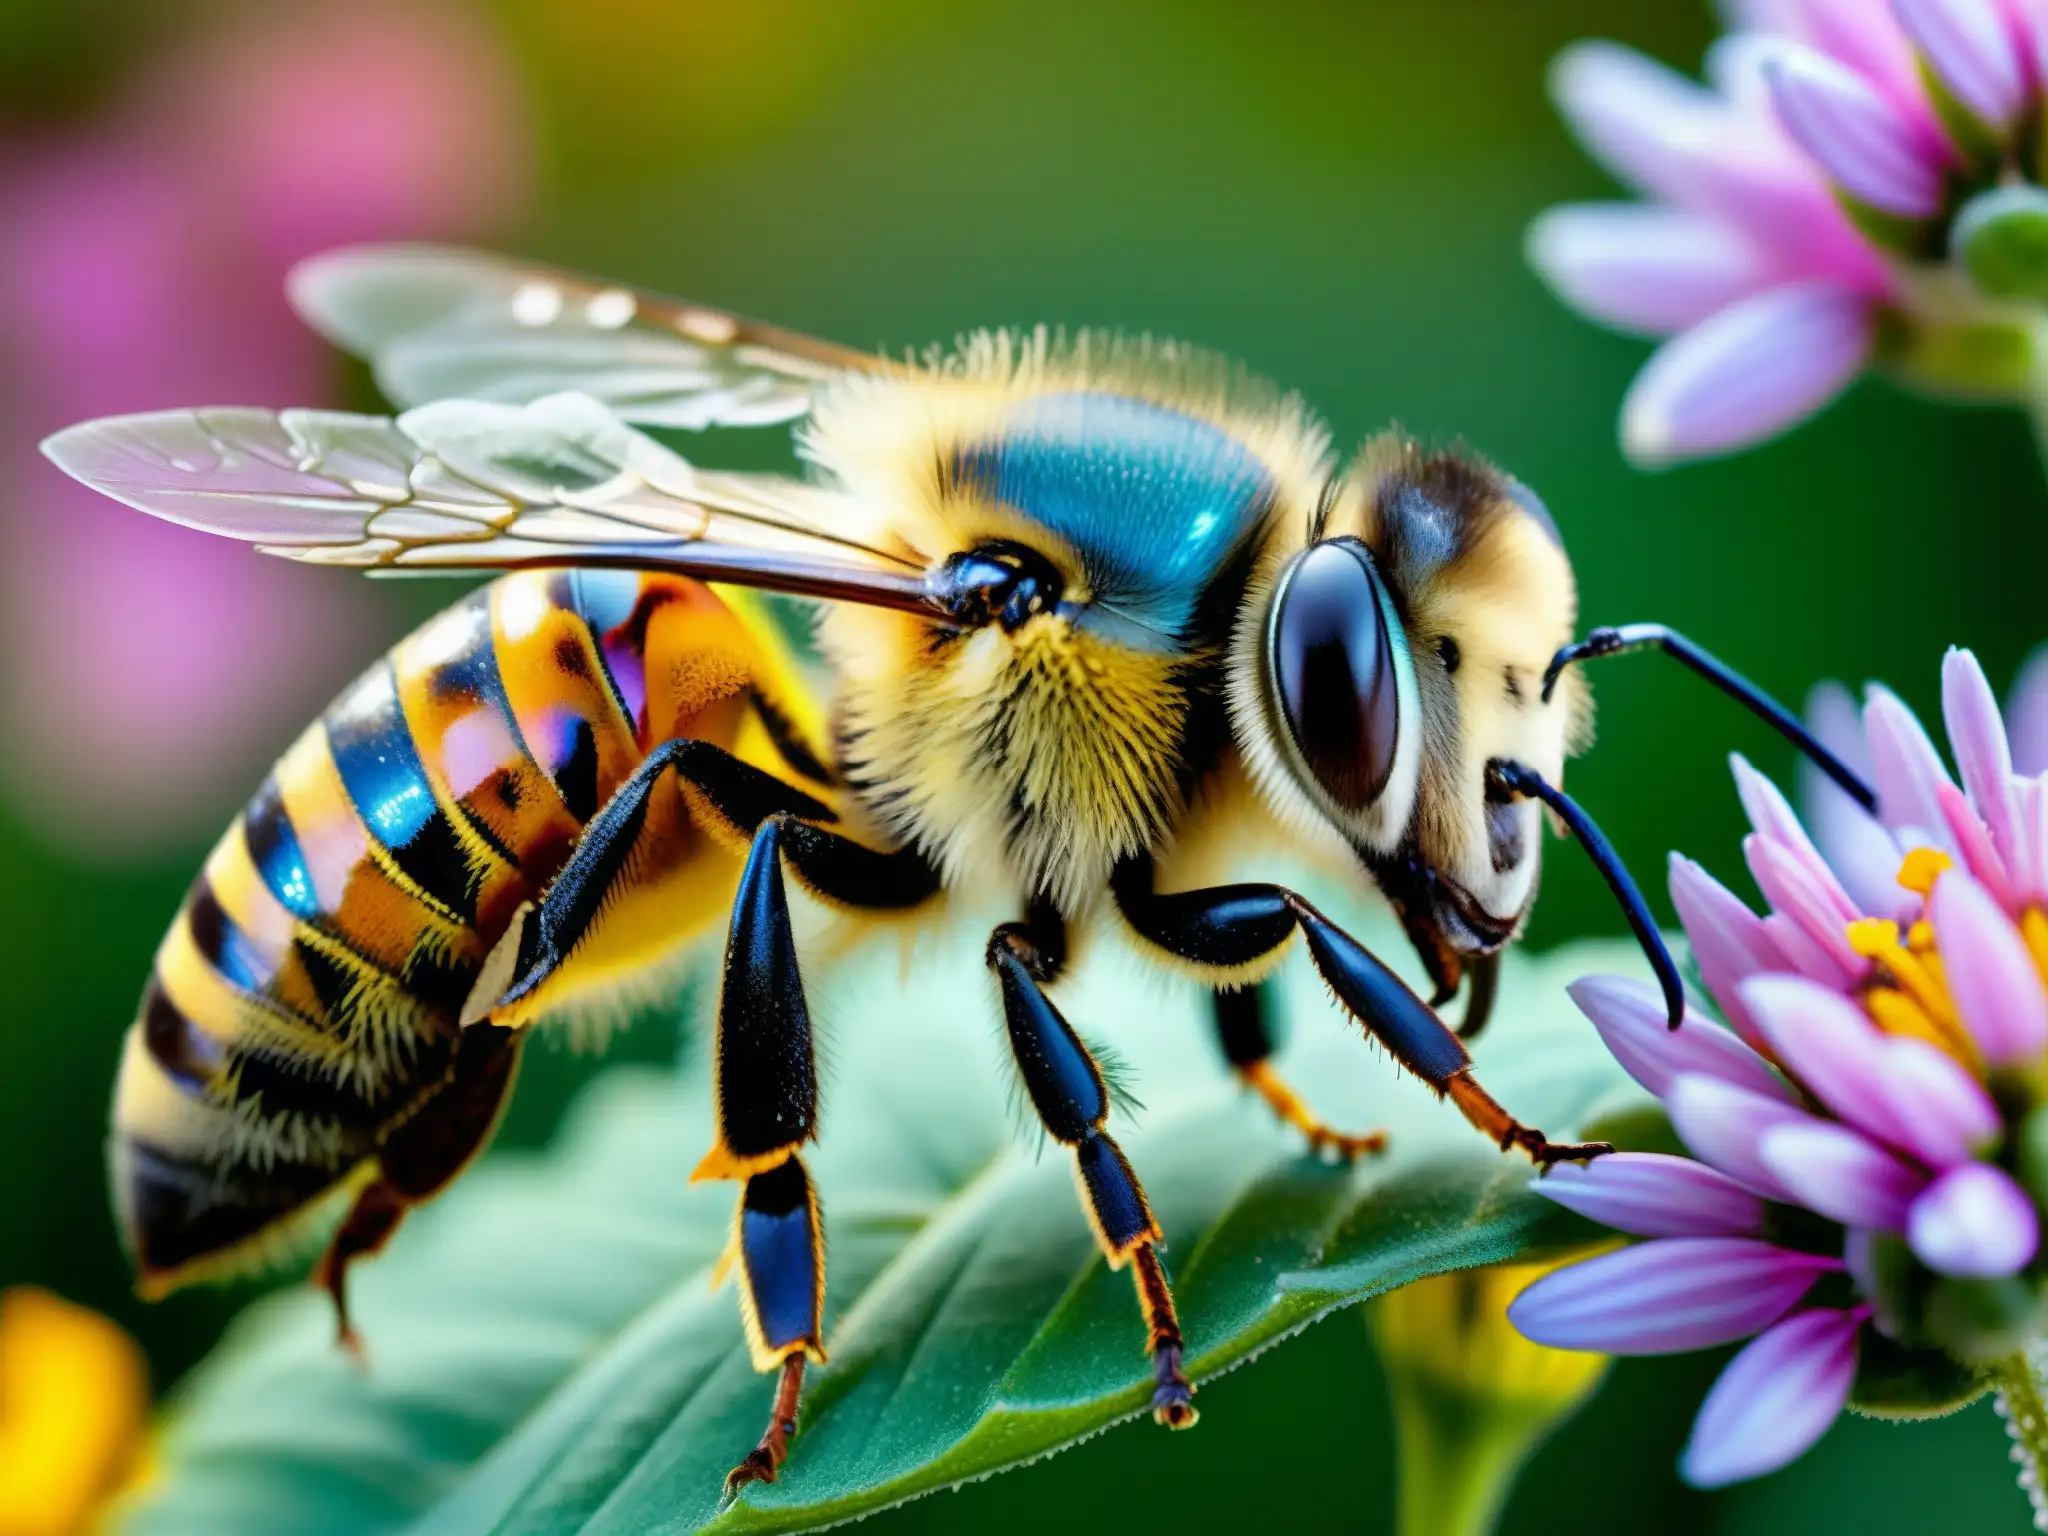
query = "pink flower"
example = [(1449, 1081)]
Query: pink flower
[(1797, 202), (1860, 1165), (148, 666)]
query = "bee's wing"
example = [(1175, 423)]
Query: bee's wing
[(440, 323), (472, 485)]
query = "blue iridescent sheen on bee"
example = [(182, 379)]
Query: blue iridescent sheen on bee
[(1153, 500)]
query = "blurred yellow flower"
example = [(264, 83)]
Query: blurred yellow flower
[(74, 1395), (1472, 1397)]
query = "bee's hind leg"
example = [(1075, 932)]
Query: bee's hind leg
[(371, 1220), (420, 1159), (1248, 1046), (1067, 1089)]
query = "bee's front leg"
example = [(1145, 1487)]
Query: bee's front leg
[(1066, 1087), (1234, 928)]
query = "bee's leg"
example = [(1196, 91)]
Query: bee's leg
[(371, 1220), (733, 794), (421, 1157), (766, 1105), (1067, 1089), (1248, 1047), (766, 1101), (1230, 927)]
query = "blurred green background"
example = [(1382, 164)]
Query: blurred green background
[(1334, 193)]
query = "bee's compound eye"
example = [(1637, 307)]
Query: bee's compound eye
[(1334, 670)]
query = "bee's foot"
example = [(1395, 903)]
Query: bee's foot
[(1340, 1146), (1172, 1399), (1546, 1153), (1323, 1141), (765, 1460), (760, 1466)]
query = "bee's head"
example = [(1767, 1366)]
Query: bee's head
[(1384, 662)]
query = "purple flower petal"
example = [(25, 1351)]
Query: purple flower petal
[(1665, 134), (1904, 1092), (2030, 871), (1829, 1044), (1725, 1125), (1970, 46), (1774, 1400), (1729, 941), (1857, 32), (1771, 814), (1944, 1115), (1641, 267), (1866, 146), (1976, 734), (1652, 1195), (1907, 771), (1855, 843), (1754, 369), (1974, 1221), (1661, 1297), (1990, 973), (2026, 715), (1794, 888), (1632, 1021), (1842, 1175), (1972, 842)]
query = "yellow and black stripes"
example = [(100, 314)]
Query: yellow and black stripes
[(304, 1006)]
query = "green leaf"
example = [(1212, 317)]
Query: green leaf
[(547, 1352)]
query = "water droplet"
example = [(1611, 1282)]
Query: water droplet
[(536, 303), (610, 309)]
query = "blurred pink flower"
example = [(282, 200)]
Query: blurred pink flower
[(1807, 205), (148, 669)]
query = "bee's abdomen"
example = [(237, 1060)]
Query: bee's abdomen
[(306, 998)]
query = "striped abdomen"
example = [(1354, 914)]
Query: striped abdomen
[(304, 1004)]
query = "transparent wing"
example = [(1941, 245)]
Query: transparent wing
[(480, 485), (440, 323)]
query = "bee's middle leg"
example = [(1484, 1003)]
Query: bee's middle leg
[(1247, 1042), (1066, 1087)]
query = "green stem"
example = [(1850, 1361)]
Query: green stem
[(1458, 1458), (2022, 1402)]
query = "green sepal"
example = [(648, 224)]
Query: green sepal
[(1982, 146), (1975, 359), (1983, 1320), (2030, 1154), (1895, 1381), (2001, 240), (1916, 239)]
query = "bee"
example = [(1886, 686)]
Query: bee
[(1100, 616)]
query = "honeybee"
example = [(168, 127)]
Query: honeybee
[(1098, 612)]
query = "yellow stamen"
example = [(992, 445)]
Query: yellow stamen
[(1897, 1014), (1907, 994), (1873, 937), (1921, 868), (2034, 929)]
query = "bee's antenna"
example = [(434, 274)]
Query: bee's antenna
[(1631, 637), (1507, 780)]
